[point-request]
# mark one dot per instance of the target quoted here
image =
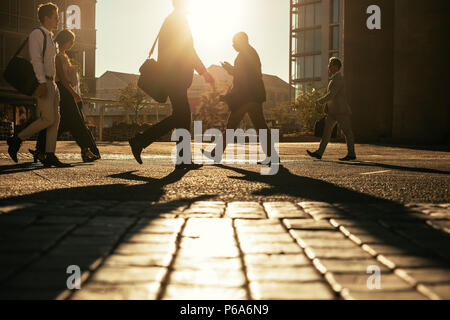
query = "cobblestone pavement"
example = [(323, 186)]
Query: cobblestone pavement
[(225, 232), (218, 250)]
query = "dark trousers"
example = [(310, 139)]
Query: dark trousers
[(256, 114), (179, 119), (72, 120)]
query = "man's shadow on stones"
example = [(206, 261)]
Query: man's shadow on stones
[(76, 226)]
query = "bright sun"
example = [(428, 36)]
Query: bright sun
[(213, 24), (216, 20)]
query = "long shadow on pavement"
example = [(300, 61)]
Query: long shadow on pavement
[(44, 233), (50, 230)]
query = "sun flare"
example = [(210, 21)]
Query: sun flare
[(215, 21)]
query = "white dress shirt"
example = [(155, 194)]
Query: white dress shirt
[(43, 66)]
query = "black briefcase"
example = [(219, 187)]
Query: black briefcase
[(19, 72), (320, 126), (151, 81)]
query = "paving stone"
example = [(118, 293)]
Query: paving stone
[(355, 223), (276, 260), (330, 244), (386, 295), (350, 266), (144, 248), (208, 250), (406, 261), (307, 224), (208, 263), (16, 259), (396, 249), (276, 210), (379, 239), (274, 248), (86, 249), (323, 235), (139, 260), (442, 290), (245, 210), (38, 280), (358, 282), (291, 291), (378, 230), (264, 238), (208, 277), (150, 238), (55, 220), (348, 253), (211, 228), (60, 263), (242, 223), (181, 292), (429, 275), (27, 245), (98, 231), (128, 275), (158, 226), (278, 274), (264, 229), (90, 240), (205, 209), (96, 291)]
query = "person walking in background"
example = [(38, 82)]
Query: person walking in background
[(178, 60), (248, 92), (338, 112), (47, 93), (71, 104)]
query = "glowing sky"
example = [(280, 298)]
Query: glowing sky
[(126, 30)]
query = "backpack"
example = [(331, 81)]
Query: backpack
[(19, 72)]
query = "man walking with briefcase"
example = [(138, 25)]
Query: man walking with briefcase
[(47, 93), (338, 112), (177, 59)]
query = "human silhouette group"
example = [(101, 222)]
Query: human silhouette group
[(60, 105)]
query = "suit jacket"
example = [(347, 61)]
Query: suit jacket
[(176, 53), (335, 96), (248, 85)]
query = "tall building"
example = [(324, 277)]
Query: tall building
[(17, 19), (315, 35)]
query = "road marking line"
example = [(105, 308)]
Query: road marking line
[(375, 172)]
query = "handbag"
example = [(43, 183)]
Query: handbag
[(152, 79), (19, 72), (319, 126)]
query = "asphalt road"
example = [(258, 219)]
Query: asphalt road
[(381, 173)]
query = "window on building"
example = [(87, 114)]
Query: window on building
[(334, 39), (335, 11), (317, 66)]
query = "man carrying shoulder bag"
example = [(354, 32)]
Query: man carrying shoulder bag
[(47, 93)]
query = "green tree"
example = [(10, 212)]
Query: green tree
[(309, 110), (134, 99), (212, 112)]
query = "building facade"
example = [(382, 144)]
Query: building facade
[(316, 31)]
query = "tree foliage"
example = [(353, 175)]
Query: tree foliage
[(212, 112), (309, 110), (133, 99)]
